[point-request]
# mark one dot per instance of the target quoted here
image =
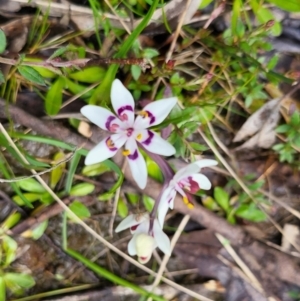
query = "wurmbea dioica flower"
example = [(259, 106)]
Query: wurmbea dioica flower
[(127, 130), (187, 178), (146, 236)]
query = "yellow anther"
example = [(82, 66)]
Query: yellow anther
[(110, 143), (190, 205), (185, 200), (144, 114), (126, 152), (139, 137)]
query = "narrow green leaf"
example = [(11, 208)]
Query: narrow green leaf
[(10, 247), (89, 75), (54, 97), (112, 277), (31, 197), (39, 230), (122, 208), (58, 52), (95, 169), (31, 74), (289, 5), (251, 213), (56, 173), (72, 170), (222, 198), (82, 189), (2, 79), (80, 210), (31, 185), (2, 289), (2, 41), (16, 281), (136, 71), (148, 203)]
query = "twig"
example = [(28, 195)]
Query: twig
[(179, 26), (240, 263)]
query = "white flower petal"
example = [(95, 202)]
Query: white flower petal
[(166, 202), (137, 163), (102, 152), (202, 180), (205, 163), (132, 220), (144, 245), (186, 172), (100, 116), (132, 245), (122, 102), (155, 144), (156, 112), (162, 240)]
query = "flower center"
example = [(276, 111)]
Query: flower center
[(129, 132)]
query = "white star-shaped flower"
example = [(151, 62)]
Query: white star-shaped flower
[(187, 178), (129, 131)]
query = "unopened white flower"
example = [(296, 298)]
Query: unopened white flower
[(129, 131), (144, 239), (187, 178)]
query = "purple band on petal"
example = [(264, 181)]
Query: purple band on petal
[(108, 122), (194, 186), (134, 227), (149, 139), (124, 108), (133, 156), (151, 116)]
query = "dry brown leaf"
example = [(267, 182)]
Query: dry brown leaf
[(261, 124)]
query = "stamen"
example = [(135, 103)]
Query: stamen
[(144, 114), (126, 152), (139, 137), (190, 205), (186, 200), (110, 144)]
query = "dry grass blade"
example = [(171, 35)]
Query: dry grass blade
[(239, 262)]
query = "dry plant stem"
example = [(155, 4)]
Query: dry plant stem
[(167, 257), (240, 263), (90, 230), (116, 199), (78, 62), (179, 26)]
